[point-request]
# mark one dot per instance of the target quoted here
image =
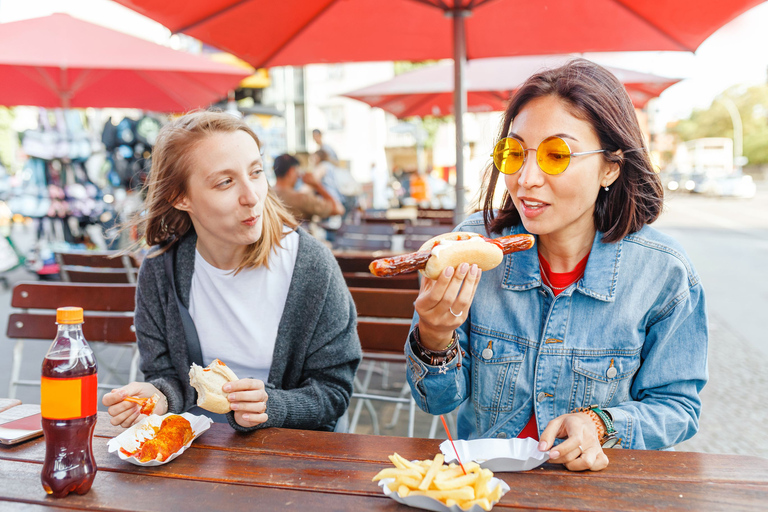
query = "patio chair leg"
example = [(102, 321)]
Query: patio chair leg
[(396, 415), (133, 372), (411, 416), (18, 349), (362, 388), (433, 427), (374, 416)]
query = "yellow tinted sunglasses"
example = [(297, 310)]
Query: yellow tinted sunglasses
[(553, 155)]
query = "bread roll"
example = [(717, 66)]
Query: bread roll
[(208, 382), (457, 248)]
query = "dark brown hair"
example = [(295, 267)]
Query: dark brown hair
[(596, 96)]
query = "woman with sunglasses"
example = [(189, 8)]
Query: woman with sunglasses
[(231, 278), (596, 337)]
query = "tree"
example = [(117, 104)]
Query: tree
[(752, 104)]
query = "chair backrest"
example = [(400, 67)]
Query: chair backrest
[(107, 310), (96, 267), (384, 318)]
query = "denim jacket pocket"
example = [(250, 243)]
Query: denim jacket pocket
[(603, 380), (495, 365)]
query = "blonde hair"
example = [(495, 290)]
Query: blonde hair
[(163, 224)]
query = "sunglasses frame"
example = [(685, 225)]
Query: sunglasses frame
[(536, 149)]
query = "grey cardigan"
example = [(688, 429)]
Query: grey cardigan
[(316, 354)]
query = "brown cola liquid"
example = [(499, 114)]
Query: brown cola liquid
[(69, 464)]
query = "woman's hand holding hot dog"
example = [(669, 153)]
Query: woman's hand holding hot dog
[(248, 400), (443, 304)]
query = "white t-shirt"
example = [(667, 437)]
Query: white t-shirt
[(237, 316)]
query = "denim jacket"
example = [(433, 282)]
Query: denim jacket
[(629, 336)]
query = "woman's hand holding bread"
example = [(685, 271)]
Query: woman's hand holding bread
[(220, 391)]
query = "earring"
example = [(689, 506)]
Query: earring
[(606, 188)]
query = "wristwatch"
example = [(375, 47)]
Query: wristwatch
[(610, 439)]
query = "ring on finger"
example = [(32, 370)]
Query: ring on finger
[(581, 449), (457, 315)]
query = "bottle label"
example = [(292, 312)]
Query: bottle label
[(67, 399)]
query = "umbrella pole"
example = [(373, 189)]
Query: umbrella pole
[(459, 104)]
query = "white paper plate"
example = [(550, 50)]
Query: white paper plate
[(135, 435), (428, 503), (498, 455)]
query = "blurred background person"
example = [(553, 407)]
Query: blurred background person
[(317, 136), (307, 202)]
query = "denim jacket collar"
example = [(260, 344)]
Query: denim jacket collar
[(521, 271)]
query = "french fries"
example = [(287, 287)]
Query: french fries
[(445, 483)]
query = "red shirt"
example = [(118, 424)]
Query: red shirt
[(558, 280)]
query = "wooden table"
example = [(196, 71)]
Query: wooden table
[(281, 469)]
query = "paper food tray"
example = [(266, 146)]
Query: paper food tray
[(135, 435), (497, 454), (428, 503)]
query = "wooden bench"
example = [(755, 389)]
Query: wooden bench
[(108, 314), (97, 267)]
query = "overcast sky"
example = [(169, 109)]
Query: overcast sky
[(735, 54)]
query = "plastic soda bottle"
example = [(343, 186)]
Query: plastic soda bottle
[(68, 396)]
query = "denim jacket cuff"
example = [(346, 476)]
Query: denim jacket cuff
[(421, 369), (622, 422)]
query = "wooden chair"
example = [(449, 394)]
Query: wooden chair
[(108, 314), (96, 267), (383, 324)]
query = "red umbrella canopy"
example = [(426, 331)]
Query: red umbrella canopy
[(297, 32), (60, 61), (490, 83)]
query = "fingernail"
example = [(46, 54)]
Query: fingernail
[(554, 455), (463, 268), (448, 272), (227, 388), (234, 406), (542, 446), (473, 270), (231, 397), (246, 417)]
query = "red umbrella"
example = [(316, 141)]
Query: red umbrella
[(297, 32), (60, 61), (490, 83)]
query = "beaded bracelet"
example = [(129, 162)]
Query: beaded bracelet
[(434, 357)]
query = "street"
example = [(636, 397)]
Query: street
[(727, 241)]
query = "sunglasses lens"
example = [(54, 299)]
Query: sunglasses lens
[(508, 155), (553, 155)]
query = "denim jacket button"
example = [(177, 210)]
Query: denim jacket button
[(501, 435), (487, 353), (541, 396), (611, 373)]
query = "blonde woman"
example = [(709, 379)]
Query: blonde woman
[(231, 278)]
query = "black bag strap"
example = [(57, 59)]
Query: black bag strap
[(190, 332)]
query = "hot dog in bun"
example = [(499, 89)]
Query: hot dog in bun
[(208, 382), (451, 250)]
